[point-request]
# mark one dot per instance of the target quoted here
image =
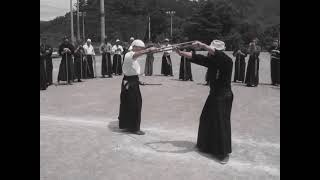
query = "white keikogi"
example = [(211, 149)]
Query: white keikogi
[(89, 50), (117, 49), (131, 67), (167, 52)]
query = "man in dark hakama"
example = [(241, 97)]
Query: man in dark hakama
[(240, 64), (185, 72), (166, 65), (66, 50), (43, 76), (89, 55), (130, 97), (78, 61), (275, 63), (117, 50), (148, 68), (48, 60), (106, 65), (214, 135), (252, 75)]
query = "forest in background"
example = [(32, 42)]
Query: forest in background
[(233, 21)]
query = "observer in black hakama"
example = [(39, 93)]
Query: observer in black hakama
[(275, 65), (117, 64), (43, 76), (48, 62), (185, 72), (89, 66), (166, 65), (214, 135), (148, 69), (117, 60), (240, 65), (252, 75), (65, 68), (78, 63), (106, 65)]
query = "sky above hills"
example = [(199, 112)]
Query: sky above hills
[(49, 9)]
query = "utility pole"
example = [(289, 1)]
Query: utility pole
[(102, 20), (149, 27), (78, 21), (83, 14), (71, 17), (171, 13)]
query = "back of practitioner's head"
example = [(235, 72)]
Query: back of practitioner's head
[(137, 45)]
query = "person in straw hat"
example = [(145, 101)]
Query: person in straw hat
[(130, 96), (117, 50), (214, 134)]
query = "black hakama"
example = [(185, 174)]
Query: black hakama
[(48, 62), (78, 65), (106, 65), (49, 69), (43, 78), (148, 69), (166, 66), (117, 64), (214, 135), (240, 66), (130, 104), (89, 66), (252, 75), (66, 64), (185, 72), (275, 66)]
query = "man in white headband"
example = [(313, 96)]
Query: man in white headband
[(214, 134), (130, 97)]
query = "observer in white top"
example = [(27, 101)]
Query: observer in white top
[(88, 48), (117, 49)]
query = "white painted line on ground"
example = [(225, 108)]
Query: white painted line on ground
[(103, 122)]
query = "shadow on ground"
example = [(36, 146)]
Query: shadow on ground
[(114, 127), (184, 147)]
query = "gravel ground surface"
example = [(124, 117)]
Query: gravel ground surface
[(80, 139)]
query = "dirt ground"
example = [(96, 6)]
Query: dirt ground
[(80, 139)]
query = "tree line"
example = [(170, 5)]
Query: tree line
[(234, 21)]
